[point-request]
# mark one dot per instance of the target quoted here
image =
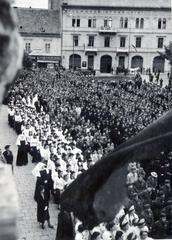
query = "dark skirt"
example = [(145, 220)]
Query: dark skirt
[(18, 127), (11, 121), (22, 157), (42, 215), (65, 229)]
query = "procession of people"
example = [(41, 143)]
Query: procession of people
[(67, 122)]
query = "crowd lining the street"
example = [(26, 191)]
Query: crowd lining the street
[(67, 121)]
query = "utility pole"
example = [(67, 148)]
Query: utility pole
[(73, 46), (129, 42)]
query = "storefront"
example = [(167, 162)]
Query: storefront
[(46, 61)]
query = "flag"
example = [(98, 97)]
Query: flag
[(97, 195)]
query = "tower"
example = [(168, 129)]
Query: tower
[(54, 4)]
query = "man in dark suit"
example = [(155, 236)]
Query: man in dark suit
[(8, 155)]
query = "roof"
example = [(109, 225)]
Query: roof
[(123, 4), (38, 21)]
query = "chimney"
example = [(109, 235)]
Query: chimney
[(54, 4)]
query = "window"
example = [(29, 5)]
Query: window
[(122, 41), (110, 22), (160, 42), (28, 47), (76, 22), (107, 42), (137, 22), (141, 23), (73, 22), (126, 23), (105, 22), (75, 41), (164, 23), (138, 42), (94, 22), (91, 41), (89, 22), (121, 22), (47, 47), (159, 23)]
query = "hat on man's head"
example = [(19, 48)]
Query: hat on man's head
[(123, 221), (145, 229), (154, 174), (141, 222), (7, 146), (169, 202), (163, 214), (131, 208), (167, 180), (147, 206)]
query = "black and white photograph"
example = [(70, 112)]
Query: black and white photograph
[(85, 119)]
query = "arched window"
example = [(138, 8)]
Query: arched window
[(159, 23), (137, 22), (121, 22), (141, 23), (126, 23)]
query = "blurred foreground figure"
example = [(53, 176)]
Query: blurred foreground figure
[(11, 50)]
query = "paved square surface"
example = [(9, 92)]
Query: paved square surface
[(28, 228)]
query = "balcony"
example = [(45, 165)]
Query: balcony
[(109, 30), (90, 49), (122, 51)]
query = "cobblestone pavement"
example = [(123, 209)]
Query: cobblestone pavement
[(28, 228)]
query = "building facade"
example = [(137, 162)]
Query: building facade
[(40, 29), (118, 35)]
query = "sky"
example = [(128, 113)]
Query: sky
[(31, 3)]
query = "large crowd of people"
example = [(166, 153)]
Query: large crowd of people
[(67, 121)]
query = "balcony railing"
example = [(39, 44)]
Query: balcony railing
[(107, 29), (90, 49)]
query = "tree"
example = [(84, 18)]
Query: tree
[(27, 61), (167, 54)]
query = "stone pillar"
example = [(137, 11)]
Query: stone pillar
[(8, 204)]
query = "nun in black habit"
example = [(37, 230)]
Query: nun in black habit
[(42, 206), (22, 154)]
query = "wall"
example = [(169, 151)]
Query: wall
[(8, 205), (38, 45), (130, 3), (149, 34)]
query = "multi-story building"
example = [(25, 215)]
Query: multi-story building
[(103, 35), (40, 29)]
